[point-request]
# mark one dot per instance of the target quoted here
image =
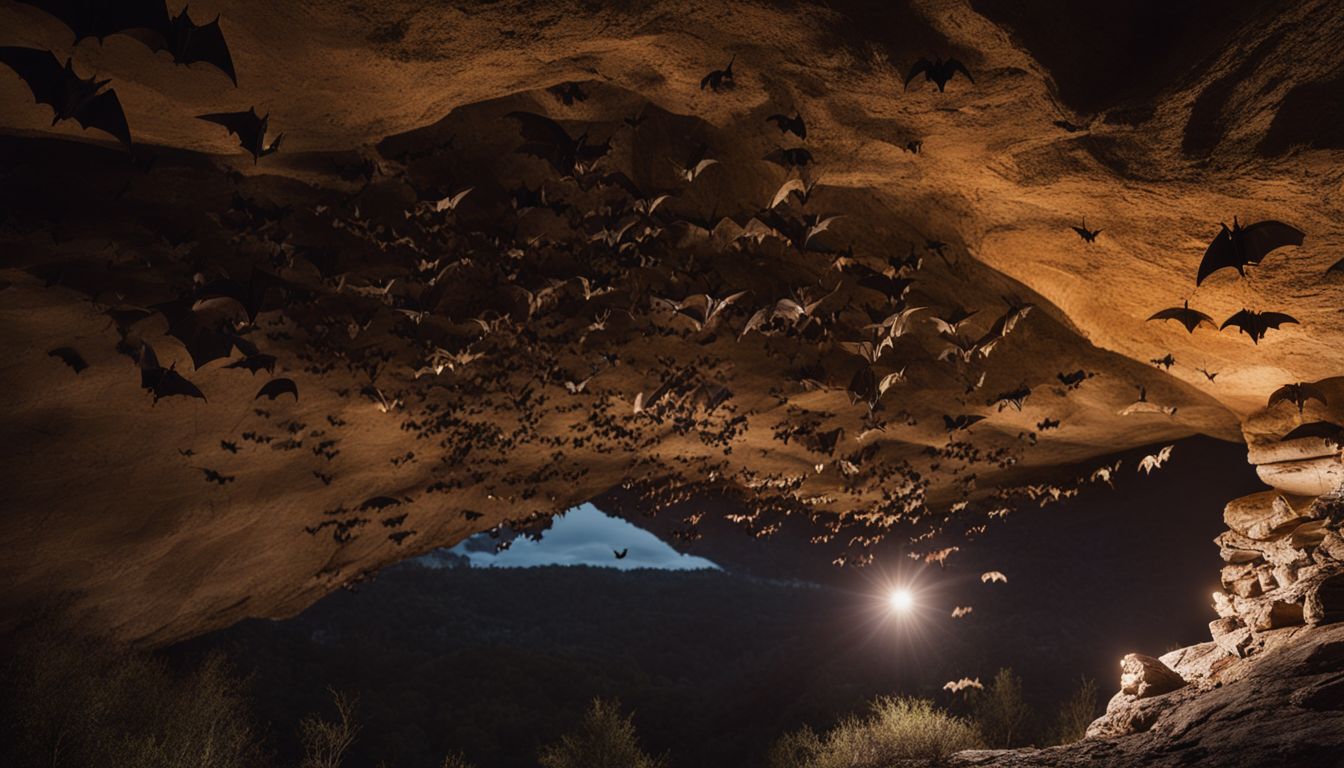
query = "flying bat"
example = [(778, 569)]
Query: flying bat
[(545, 139), (568, 93), (1298, 394), (786, 124), (1074, 380), (990, 577), (961, 611), (620, 553), (70, 96), (1257, 324), (250, 130), (939, 71), (957, 686), (1047, 424), (192, 43), (720, 79), (1088, 235), (211, 476), (100, 19), (801, 189), (70, 357), (1165, 362), (1190, 318), (695, 164), (1015, 398), (1239, 246), (1155, 460), (788, 159), (277, 387), (163, 382)]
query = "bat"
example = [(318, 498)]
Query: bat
[(914, 146), (963, 421), (952, 319), (277, 387), (1238, 246), (1014, 398), (211, 476), (961, 611), (545, 139), (568, 93), (786, 124), (70, 357), (720, 79), (957, 686), (1164, 363), (1155, 461), (163, 382), (399, 536), (92, 18), (250, 130), (1257, 324), (695, 165), (1298, 394), (226, 445), (70, 96), (191, 43), (1088, 235), (788, 159), (379, 503), (1074, 380), (990, 577), (620, 554), (1047, 424), (1325, 430), (205, 342), (254, 363), (939, 71), (1190, 318), (1143, 406)]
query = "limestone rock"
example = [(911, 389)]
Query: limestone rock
[(1230, 635), (1324, 603), (1197, 663), (1260, 515), (1144, 676), (1272, 614)]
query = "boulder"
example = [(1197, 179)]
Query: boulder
[(1196, 663), (1324, 602), (1230, 635), (1261, 515), (1144, 676), (1262, 615)]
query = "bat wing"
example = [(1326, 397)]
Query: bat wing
[(70, 356), (206, 44), (1190, 318), (244, 125), (277, 387), (41, 70), (1277, 319), (1244, 321), (1265, 236), (172, 383), (1220, 254), (955, 65), (104, 112), (781, 121), (921, 66)]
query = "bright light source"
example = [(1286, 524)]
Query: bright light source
[(901, 600)]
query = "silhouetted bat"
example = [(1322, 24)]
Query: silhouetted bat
[(1238, 246), (70, 357), (963, 421), (720, 79), (250, 130), (568, 93), (939, 71), (190, 43), (1088, 235), (163, 382), (544, 138), (1186, 316), (204, 342), (277, 387), (101, 18), (1323, 429), (1164, 362), (786, 124), (231, 447), (620, 554), (70, 96), (1014, 398), (1297, 394), (400, 536), (379, 502), (795, 157), (1257, 324), (1047, 424), (211, 476), (1075, 379), (254, 363)]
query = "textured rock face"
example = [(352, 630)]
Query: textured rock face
[(1284, 706), (381, 103)]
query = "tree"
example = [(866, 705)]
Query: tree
[(1001, 712), (1077, 712), (605, 739), (325, 741)]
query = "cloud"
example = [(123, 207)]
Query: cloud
[(586, 536)]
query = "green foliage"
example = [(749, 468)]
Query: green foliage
[(896, 729), (325, 741), (604, 739), (1001, 712), (75, 702), (1077, 712)]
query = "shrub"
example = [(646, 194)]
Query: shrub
[(605, 739), (1001, 712), (325, 741), (1078, 712), (895, 730)]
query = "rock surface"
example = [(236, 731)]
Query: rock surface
[(1283, 706)]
